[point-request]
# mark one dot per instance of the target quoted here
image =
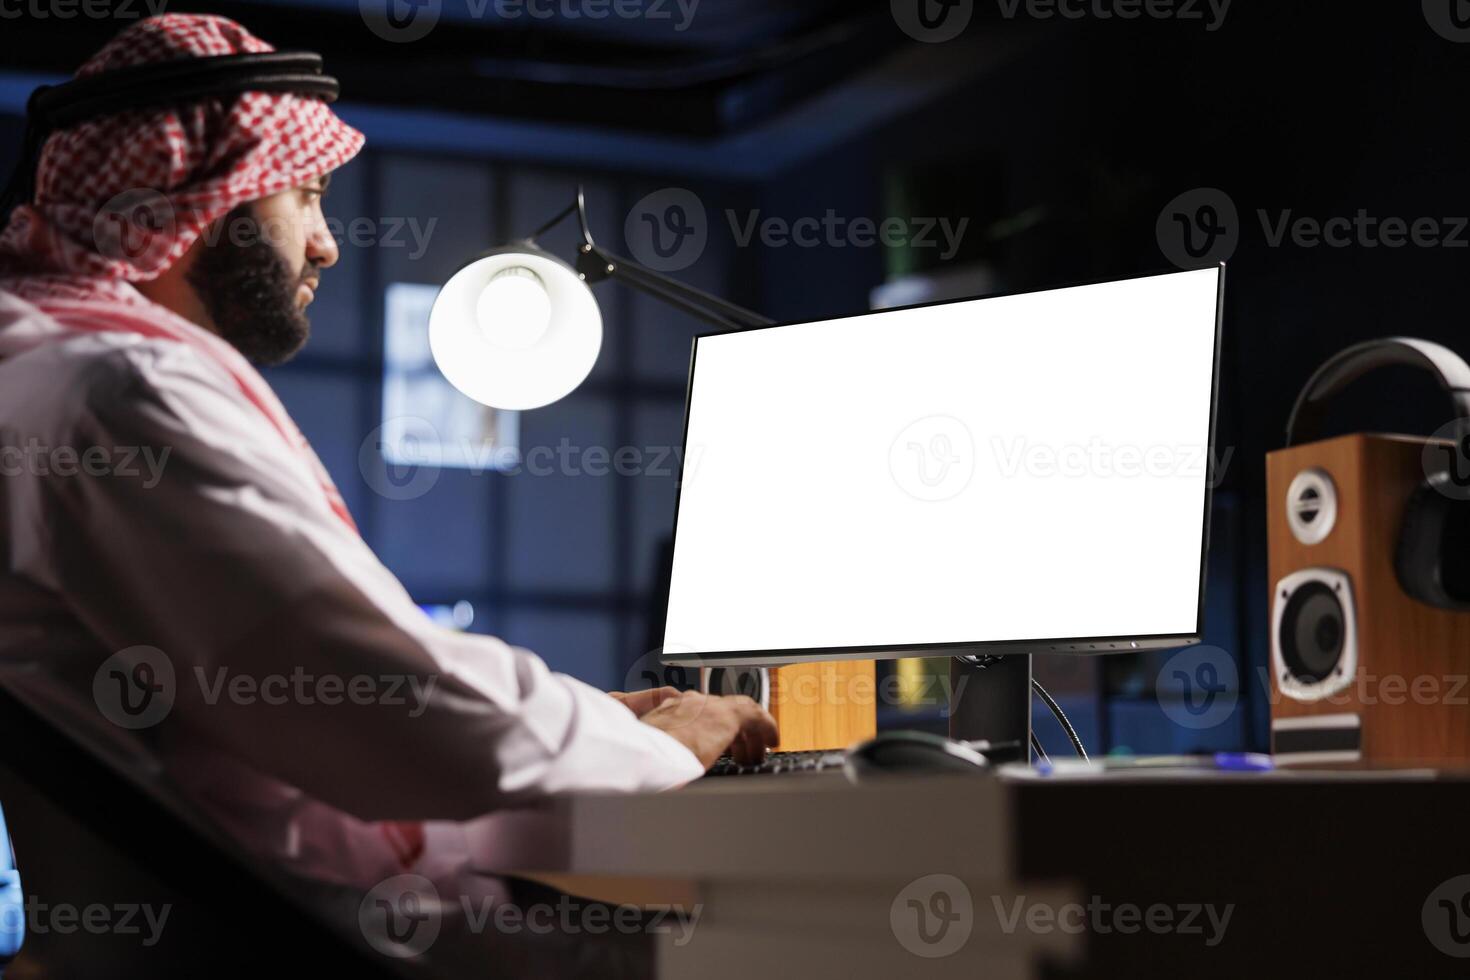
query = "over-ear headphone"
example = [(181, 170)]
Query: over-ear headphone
[(53, 107), (1433, 555), (12, 902)]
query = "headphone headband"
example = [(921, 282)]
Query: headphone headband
[(1348, 365)]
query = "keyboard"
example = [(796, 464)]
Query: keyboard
[(781, 762)]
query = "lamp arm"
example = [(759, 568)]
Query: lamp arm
[(596, 265)]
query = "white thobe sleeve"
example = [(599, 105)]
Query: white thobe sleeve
[(224, 555)]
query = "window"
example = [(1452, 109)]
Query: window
[(426, 421)]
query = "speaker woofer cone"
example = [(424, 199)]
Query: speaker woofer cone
[(753, 682), (1314, 642), (1312, 633)]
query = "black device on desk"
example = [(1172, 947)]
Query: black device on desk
[(887, 754)]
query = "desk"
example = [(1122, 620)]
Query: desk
[(807, 876)]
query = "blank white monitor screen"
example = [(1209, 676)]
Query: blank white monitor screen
[(1013, 469)]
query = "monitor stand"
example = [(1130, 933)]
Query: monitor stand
[(991, 700)]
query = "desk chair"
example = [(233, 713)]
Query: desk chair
[(88, 836), (12, 902)]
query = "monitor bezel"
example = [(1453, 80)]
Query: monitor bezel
[(1083, 646)]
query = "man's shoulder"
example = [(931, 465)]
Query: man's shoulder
[(51, 386)]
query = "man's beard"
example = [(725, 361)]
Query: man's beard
[(249, 291)]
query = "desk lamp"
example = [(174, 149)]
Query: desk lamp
[(518, 328)]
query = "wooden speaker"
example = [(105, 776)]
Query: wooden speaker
[(1360, 671)]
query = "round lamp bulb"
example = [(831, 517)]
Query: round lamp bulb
[(516, 329), (514, 310)]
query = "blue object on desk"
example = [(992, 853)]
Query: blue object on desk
[(12, 902), (1220, 762)]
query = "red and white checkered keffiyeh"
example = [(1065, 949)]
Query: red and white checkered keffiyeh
[(185, 166), (120, 198)]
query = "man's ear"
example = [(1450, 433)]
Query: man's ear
[(235, 227), (173, 290)]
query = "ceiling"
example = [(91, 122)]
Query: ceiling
[(693, 68)]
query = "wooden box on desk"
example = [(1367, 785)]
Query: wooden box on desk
[(1407, 693), (828, 705)]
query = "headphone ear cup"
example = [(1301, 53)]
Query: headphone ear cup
[(1432, 560), (1454, 554)]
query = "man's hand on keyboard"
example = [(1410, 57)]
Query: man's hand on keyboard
[(642, 702), (712, 726)]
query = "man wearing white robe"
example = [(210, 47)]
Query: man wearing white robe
[(167, 532)]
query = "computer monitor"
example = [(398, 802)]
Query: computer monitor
[(1027, 473)]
